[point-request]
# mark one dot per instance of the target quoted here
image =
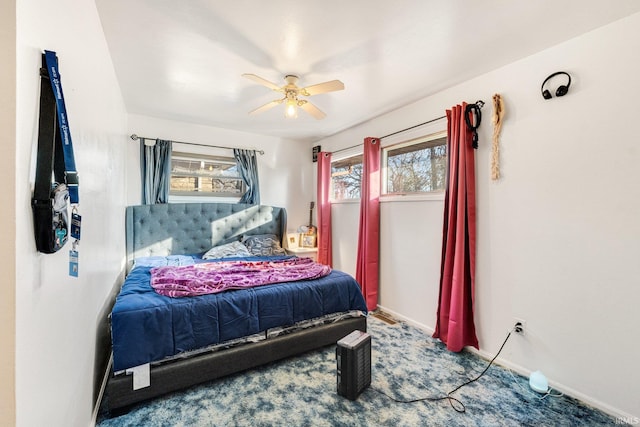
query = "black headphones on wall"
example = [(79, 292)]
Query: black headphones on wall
[(562, 89)]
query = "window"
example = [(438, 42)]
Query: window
[(201, 175), (416, 166), (346, 175)]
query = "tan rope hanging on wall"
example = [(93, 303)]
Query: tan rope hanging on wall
[(498, 115)]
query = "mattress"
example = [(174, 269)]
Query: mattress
[(147, 327)]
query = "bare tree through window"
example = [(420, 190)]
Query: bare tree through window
[(417, 166), (346, 177)]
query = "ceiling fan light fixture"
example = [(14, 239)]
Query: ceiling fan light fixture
[(291, 109), (291, 92)]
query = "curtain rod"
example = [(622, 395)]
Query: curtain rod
[(136, 137), (479, 103), (394, 133), (414, 126)]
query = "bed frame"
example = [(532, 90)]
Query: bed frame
[(189, 228)]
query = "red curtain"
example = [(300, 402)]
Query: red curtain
[(324, 208), (367, 269), (454, 323)]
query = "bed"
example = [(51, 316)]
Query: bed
[(176, 342)]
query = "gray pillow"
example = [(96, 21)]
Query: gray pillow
[(263, 245), (233, 249)]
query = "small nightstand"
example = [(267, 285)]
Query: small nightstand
[(304, 252)]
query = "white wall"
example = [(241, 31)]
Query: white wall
[(58, 316), (8, 216), (557, 235), (285, 180)]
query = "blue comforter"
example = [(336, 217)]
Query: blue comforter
[(148, 327)]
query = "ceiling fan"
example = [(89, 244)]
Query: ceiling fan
[(291, 93)]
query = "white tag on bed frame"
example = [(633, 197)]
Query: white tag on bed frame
[(141, 376)]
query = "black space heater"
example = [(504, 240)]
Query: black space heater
[(353, 358)]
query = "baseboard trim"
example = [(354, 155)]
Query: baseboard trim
[(617, 414), (103, 387), (405, 319)]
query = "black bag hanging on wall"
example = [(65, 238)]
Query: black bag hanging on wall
[(55, 159)]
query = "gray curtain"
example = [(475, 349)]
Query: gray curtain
[(155, 164), (248, 168)]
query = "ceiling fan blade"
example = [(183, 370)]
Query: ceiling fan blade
[(263, 82), (330, 86), (313, 110), (266, 106)]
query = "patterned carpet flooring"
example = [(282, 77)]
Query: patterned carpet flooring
[(407, 364)]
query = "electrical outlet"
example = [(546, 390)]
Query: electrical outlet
[(519, 326)]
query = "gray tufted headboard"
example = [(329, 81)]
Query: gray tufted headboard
[(191, 228)]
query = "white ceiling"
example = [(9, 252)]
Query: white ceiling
[(183, 60)]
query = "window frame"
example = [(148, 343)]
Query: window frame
[(176, 195), (409, 196), (344, 155)]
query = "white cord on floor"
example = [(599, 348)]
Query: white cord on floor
[(548, 393)]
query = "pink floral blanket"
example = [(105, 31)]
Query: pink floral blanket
[(215, 277)]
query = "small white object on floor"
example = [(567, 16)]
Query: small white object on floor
[(538, 382)]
